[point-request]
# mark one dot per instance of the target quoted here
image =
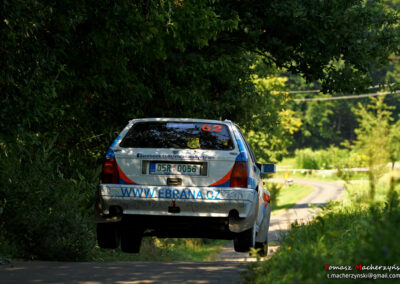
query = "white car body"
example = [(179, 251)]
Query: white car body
[(182, 191)]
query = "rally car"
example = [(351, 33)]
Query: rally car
[(188, 178)]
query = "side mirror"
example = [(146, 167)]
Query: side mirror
[(268, 168)]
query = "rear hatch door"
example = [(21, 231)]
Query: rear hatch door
[(174, 153)]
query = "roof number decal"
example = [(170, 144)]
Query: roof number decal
[(211, 127)]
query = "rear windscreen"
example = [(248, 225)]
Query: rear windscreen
[(178, 135)]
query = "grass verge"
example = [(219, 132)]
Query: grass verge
[(359, 231), (288, 196), (319, 175), (288, 162), (154, 249)]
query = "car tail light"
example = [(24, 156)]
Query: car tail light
[(266, 198), (240, 175), (109, 173)]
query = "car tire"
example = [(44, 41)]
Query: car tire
[(131, 240), (263, 248), (108, 235), (244, 240)]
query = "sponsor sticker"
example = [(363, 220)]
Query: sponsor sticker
[(170, 193), (175, 157)]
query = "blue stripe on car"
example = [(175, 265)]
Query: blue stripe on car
[(110, 152)]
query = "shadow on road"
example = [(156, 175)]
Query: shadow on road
[(119, 272)]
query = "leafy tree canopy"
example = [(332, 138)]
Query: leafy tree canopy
[(76, 60), (82, 68)]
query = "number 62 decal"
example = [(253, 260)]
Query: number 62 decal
[(211, 127)]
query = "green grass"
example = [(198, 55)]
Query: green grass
[(288, 196), (319, 176), (358, 191), (154, 249), (289, 162), (357, 231)]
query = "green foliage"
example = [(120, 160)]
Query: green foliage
[(394, 143), (305, 159), (322, 159), (340, 236), (270, 142), (345, 161), (328, 123), (74, 63), (273, 188), (45, 214), (333, 122), (339, 58), (373, 138)]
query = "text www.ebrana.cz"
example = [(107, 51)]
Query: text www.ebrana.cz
[(170, 193)]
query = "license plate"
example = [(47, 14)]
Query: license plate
[(174, 169)]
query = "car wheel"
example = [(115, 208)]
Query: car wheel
[(244, 240), (263, 248), (131, 239), (108, 235)]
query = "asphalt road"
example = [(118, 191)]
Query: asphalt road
[(225, 270)]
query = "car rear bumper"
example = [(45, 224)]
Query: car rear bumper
[(117, 200)]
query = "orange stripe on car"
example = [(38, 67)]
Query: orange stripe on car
[(224, 179), (124, 177)]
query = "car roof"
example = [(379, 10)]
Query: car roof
[(166, 119)]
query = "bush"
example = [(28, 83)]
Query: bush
[(323, 159), (44, 214), (274, 189), (360, 233), (305, 159)]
